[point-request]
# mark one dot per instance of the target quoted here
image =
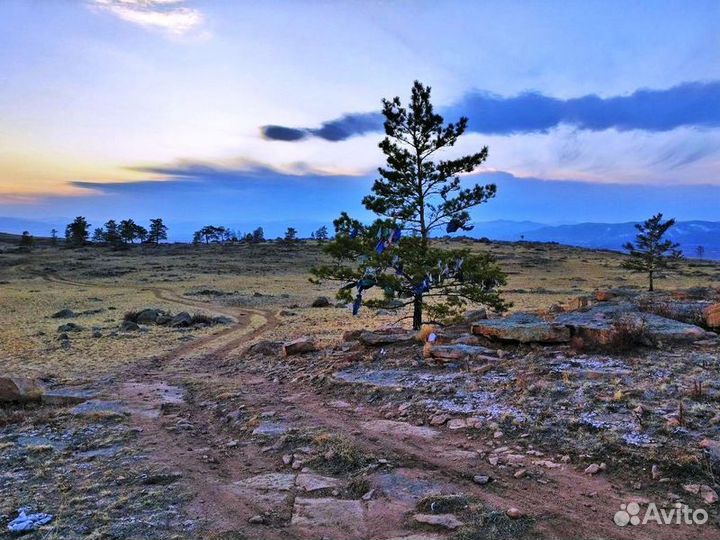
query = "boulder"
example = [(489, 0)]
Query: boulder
[(299, 346), (20, 389), (69, 327), (475, 315), (64, 314), (163, 319), (604, 296), (524, 328), (129, 326), (266, 348), (181, 320), (386, 337), (147, 316), (711, 314), (222, 319), (321, 301)]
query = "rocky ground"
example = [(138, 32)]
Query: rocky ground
[(540, 424)]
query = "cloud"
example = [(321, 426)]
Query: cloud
[(334, 130), (689, 104), (169, 16)]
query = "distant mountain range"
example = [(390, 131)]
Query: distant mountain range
[(689, 234)]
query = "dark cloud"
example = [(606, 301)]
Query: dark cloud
[(689, 104), (335, 130), (281, 133)]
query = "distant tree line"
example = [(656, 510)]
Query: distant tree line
[(115, 234), (127, 232)]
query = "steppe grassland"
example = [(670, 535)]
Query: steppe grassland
[(268, 276)]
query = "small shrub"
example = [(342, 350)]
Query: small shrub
[(131, 316), (628, 332), (338, 454), (200, 318)]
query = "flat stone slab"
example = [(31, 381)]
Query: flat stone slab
[(421, 536), (310, 482), (408, 486), (523, 328), (66, 397), (459, 351), (443, 521), (599, 324), (328, 517), (97, 407), (26, 441), (269, 481), (270, 429), (392, 427)]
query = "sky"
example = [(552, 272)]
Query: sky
[(267, 113)]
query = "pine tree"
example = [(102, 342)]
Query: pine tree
[(53, 237), (77, 232), (258, 235), (99, 236), (158, 231), (419, 194), (321, 235), (651, 254), (127, 230), (112, 233)]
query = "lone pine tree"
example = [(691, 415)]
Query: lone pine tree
[(651, 254), (416, 194)]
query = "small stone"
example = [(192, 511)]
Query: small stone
[(457, 423), (498, 434), (593, 468), (655, 471), (520, 473), (481, 479), (513, 513), (444, 521), (439, 419), (256, 520)]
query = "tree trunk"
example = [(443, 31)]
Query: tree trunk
[(417, 312), (652, 288)]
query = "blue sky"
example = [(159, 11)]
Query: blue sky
[(234, 112)]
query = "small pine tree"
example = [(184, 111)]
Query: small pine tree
[(77, 232), (700, 252), (26, 240), (258, 235), (53, 237), (158, 231), (651, 254), (290, 235), (321, 235)]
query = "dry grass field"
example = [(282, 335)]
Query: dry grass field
[(194, 433)]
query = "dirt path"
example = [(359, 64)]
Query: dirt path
[(179, 403)]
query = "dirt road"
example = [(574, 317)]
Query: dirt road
[(192, 407)]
